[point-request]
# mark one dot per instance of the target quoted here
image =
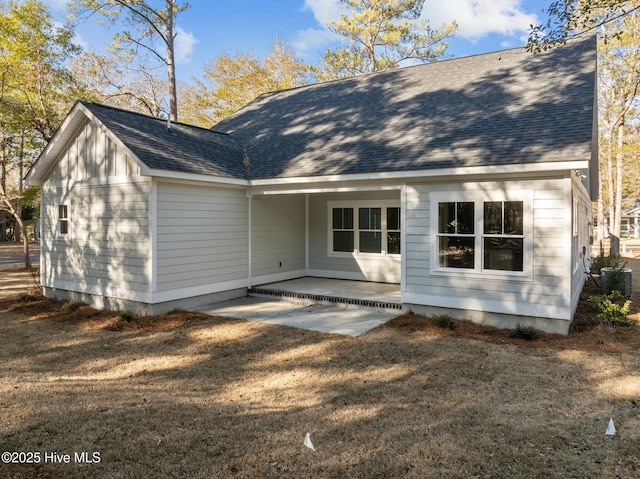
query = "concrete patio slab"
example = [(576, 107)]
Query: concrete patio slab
[(349, 321)]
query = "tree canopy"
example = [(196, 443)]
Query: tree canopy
[(570, 18), (231, 81), (380, 35), (143, 22)]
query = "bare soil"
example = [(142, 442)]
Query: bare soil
[(190, 395)]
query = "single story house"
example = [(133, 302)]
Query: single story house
[(468, 182)]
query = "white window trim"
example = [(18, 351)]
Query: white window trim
[(59, 233), (479, 197), (384, 204)]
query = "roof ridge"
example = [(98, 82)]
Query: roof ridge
[(150, 117)]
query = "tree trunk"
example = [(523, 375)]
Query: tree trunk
[(19, 230), (171, 67), (616, 220)]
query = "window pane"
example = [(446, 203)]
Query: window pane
[(363, 218), (504, 254), (343, 241), (513, 212), (370, 218), (393, 243), (493, 217), (393, 218), (370, 242), (348, 218), (64, 227), (465, 218), (62, 211), (456, 252), (337, 218), (376, 218), (446, 217)]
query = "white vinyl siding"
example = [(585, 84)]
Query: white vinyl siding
[(201, 236), (365, 267), (582, 218), (278, 235), (543, 290), (106, 250)]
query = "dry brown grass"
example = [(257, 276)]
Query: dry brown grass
[(216, 397)]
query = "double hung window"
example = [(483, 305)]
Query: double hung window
[(364, 228), (63, 220), (481, 236)]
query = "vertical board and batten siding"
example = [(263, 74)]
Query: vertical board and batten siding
[(106, 251), (277, 237), (545, 293), (384, 269), (201, 237)]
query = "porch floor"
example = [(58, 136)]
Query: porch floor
[(334, 291), (326, 305)]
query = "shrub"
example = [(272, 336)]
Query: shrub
[(26, 298), (607, 261), (611, 311), (526, 332), (126, 316), (71, 306), (445, 321)]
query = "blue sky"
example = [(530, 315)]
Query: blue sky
[(210, 28)]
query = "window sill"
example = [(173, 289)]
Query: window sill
[(335, 254)]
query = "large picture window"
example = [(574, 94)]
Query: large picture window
[(368, 227), (480, 235)]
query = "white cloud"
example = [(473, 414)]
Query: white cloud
[(324, 10), (479, 18), (475, 18), (185, 44)]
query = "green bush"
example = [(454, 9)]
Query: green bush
[(526, 332), (611, 311), (126, 316), (71, 306), (607, 261), (446, 322)]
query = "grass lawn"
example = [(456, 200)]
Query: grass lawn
[(200, 397)]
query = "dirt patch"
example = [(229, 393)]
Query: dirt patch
[(585, 334)]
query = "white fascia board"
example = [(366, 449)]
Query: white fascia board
[(430, 173), (191, 177)]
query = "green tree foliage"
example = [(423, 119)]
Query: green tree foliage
[(36, 90), (380, 34), (142, 22), (570, 18), (230, 82)]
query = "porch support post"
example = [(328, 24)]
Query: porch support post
[(403, 239), (249, 205), (306, 233)]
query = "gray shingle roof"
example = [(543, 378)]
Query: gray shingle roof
[(497, 108), (508, 107), (185, 148)]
